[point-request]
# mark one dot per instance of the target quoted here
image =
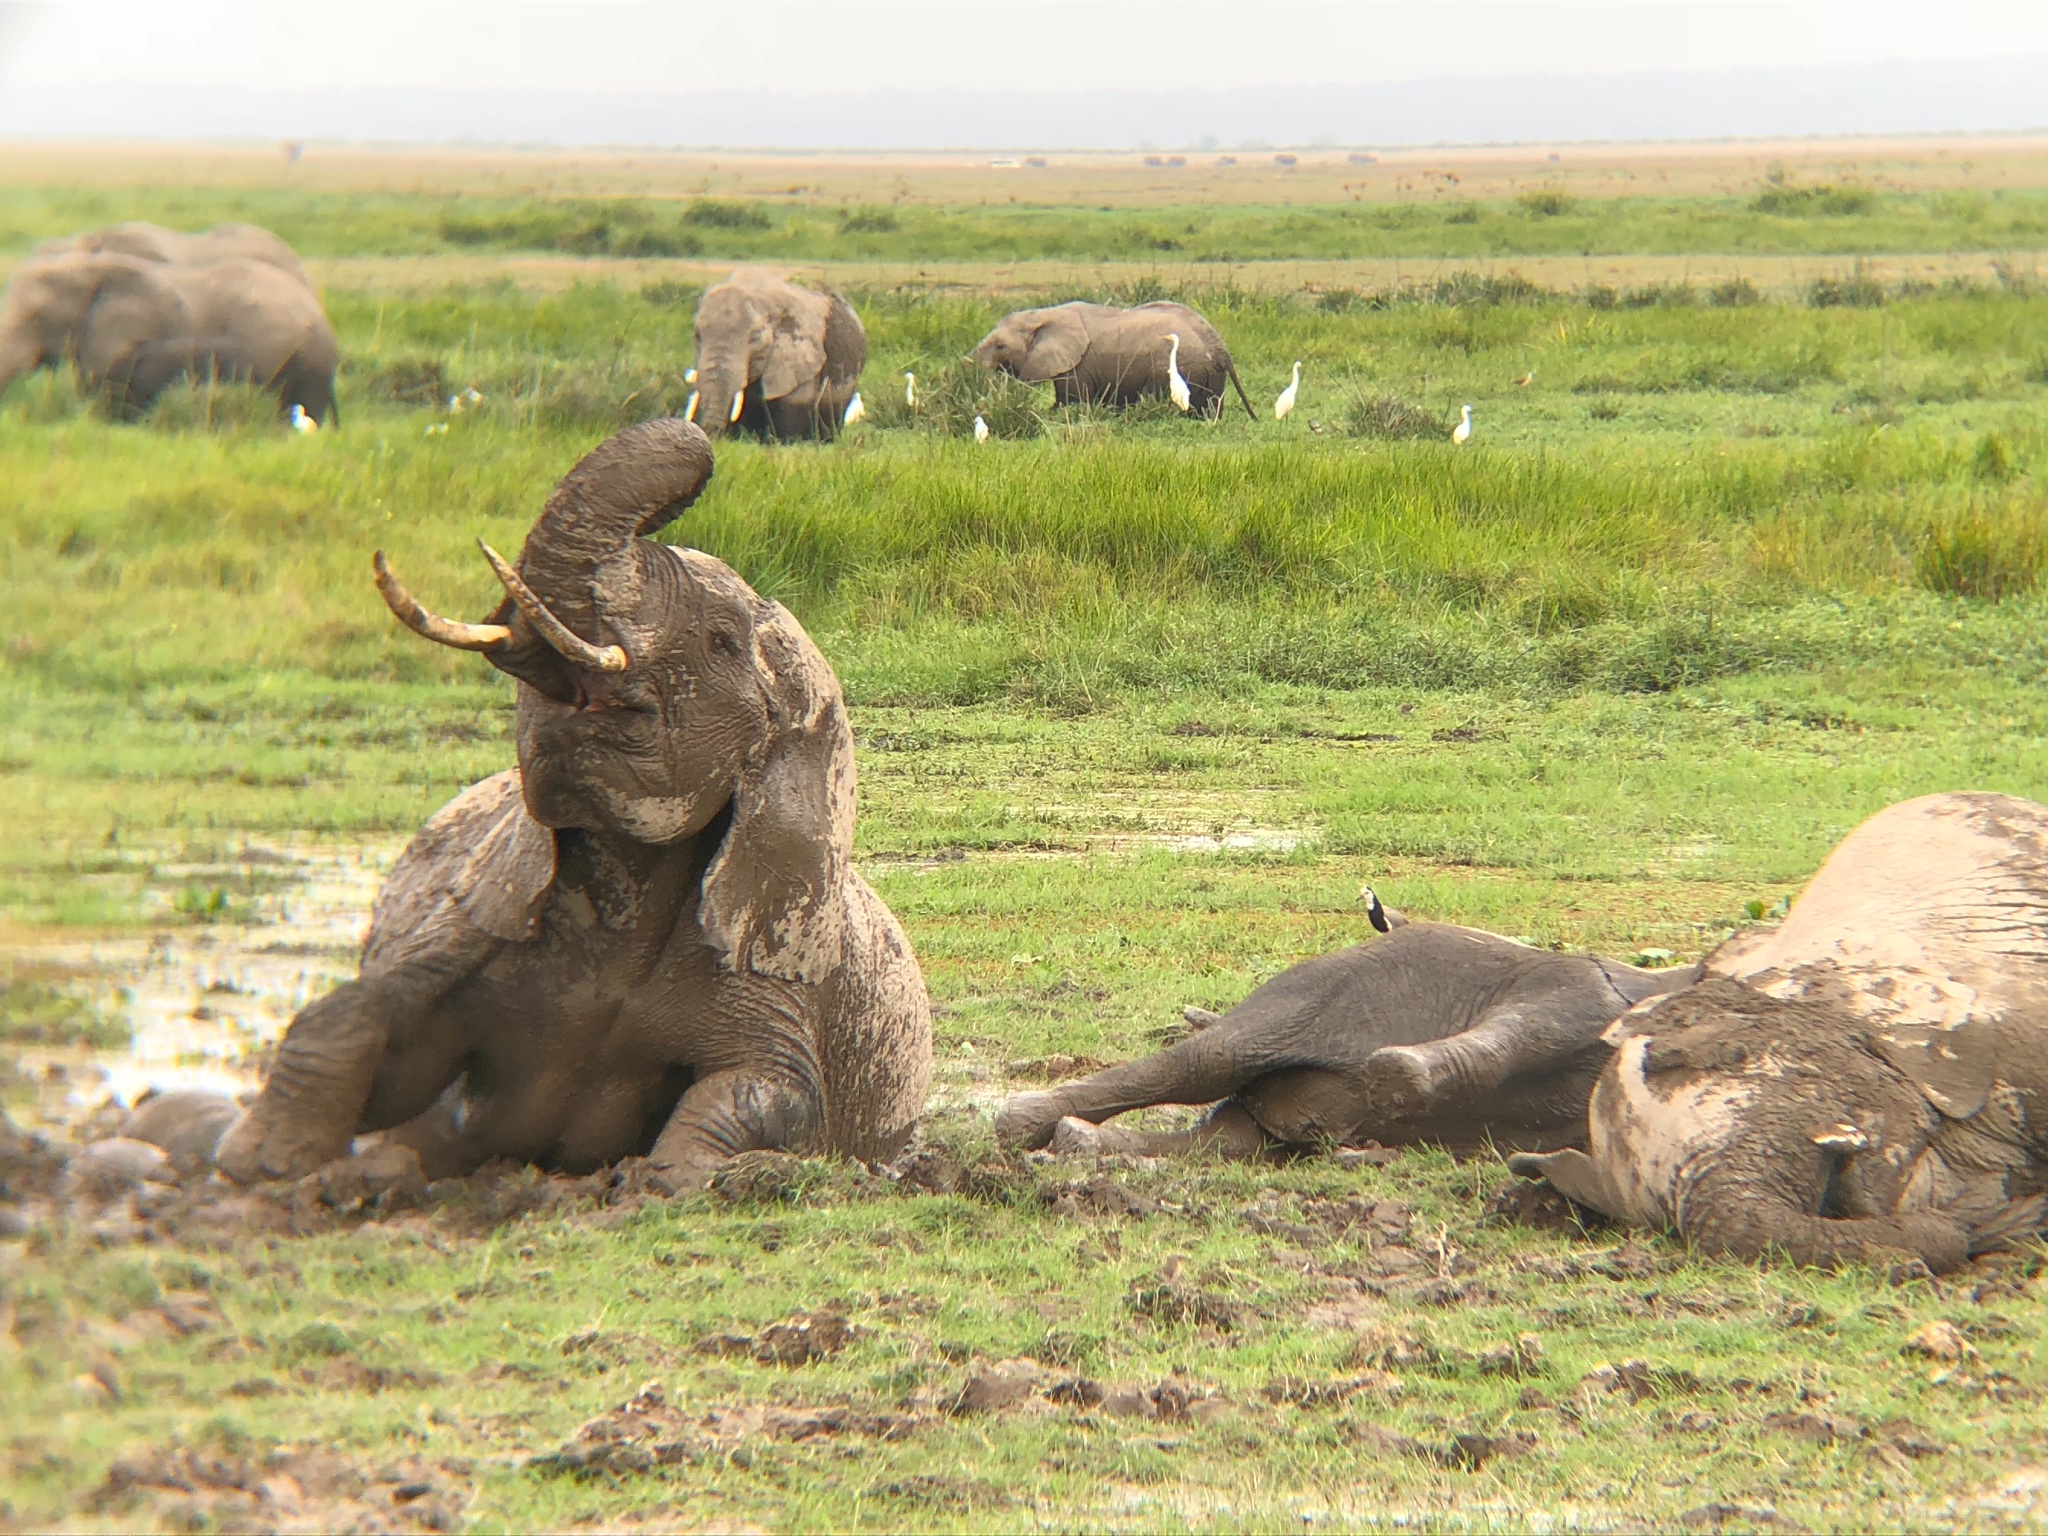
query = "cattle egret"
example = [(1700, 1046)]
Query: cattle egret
[(855, 411), (689, 375), (301, 422), (1286, 401), (739, 399), (455, 405), (980, 430), (1527, 379), (910, 389), (1176, 386), (1462, 432), (690, 410), (470, 394), (437, 429)]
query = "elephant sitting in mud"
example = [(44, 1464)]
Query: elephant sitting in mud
[(648, 938), (132, 327), (1096, 354), (1866, 1082), (1434, 1033), (775, 359)]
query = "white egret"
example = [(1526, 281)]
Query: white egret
[(739, 400), (1462, 432), (471, 396), (455, 405), (689, 375), (1286, 401), (910, 389), (1176, 386), (437, 429), (980, 430), (855, 411), (690, 410), (301, 422)]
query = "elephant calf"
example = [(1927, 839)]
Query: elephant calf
[(1096, 354), (648, 938), (1432, 1034), (775, 359), (1866, 1082)]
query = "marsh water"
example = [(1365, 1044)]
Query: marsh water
[(205, 1001)]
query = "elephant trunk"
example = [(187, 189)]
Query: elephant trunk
[(722, 380), (1729, 1212), (625, 488)]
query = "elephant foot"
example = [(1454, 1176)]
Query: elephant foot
[(1400, 1080), (1026, 1120), (266, 1144)]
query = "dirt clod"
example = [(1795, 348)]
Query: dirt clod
[(291, 1489), (1639, 1379), (995, 1387), (1939, 1340), (1523, 1357)]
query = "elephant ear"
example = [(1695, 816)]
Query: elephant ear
[(774, 898), (846, 343), (1953, 1065), (1058, 342), (791, 355)]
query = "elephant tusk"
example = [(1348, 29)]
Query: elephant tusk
[(572, 646), (739, 400), (431, 626)]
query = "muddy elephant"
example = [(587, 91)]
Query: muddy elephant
[(775, 359), (133, 327), (648, 938), (1866, 1082), (1096, 354), (1434, 1033), (152, 242)]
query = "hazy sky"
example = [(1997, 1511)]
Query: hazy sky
[(811, 46)]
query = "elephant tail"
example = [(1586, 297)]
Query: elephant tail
[(1240, 391)]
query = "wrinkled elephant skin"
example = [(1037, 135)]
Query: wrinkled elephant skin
[(788, 358), (648, 938), (1433, 1034), (1096, 354), (1866, 1082)]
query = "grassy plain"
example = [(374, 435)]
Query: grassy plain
[(1139, 704)]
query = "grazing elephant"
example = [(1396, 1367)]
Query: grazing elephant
[(1098, 355), (133, 327), (1866, 1082), (152, 242), (775, 359), (1433, 1034), (648, 938)]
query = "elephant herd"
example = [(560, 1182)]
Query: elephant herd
[(648, 941), (135, 308)]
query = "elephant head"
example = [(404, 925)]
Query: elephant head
[(1035, 344), (660, 693), (774, 357), (87, 309), (1855, 1084)]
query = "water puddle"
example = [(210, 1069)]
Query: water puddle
[(205, 1001)]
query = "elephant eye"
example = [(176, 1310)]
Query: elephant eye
[(725, 640)]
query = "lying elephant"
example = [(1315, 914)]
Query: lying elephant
[(1096, 354), (1432, 1034), (648, 938), (775, 359), (1865, 1082), (152, 242), (133, 327)]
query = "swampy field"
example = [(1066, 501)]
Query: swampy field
[(1749, 541)]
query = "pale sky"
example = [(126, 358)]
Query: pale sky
[(812, 46)]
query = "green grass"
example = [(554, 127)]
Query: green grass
[(1802, 220), (1719, 583)]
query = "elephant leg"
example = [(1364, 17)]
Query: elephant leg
[(1515, 1041), (1196, 1071), (1227, 1131), (135, 379), (725, 1114), (313, 1101)]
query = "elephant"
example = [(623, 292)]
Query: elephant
[(1099, 355), (133, 327), (1867, 1082), (1434, 1033), (775, 359), (152, 242), (647, 938)]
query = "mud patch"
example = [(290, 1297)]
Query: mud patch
[(798, 1341), (647, 1431), (180, 1488)]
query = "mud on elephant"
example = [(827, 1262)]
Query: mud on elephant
[(1096, 354), (1868, 1081), (648, 938), (775, 359), (1434, 1033)]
